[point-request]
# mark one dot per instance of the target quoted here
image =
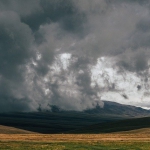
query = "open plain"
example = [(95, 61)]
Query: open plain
[(133, 140)]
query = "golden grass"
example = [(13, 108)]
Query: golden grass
[(14, 134), (12, 130), (75, 137), (136, 139)]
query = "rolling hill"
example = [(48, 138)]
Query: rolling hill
[(12, 130), (132, 124), (60, 121)]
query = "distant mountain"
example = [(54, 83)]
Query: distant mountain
[(113, 108), (59, 121)]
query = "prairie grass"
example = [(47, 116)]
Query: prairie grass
[(114, 141), (11, 145)]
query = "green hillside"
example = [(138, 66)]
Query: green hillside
[(136, 124), (53, 122)]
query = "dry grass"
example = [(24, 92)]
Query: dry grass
[(135, 140), (75, 137), (14, 134), (12, 130)]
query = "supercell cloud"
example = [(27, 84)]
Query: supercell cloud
[(73, 53)]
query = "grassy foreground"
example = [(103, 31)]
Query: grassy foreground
[(74, 145), (135, 140)]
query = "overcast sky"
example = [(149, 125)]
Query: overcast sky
[(74, 53)]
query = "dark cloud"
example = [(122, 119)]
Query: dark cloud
[(124, 96), (134, 60), (139, 87), (62, 11), (15, 51), (15, 45), (21, 7), (34, 33)]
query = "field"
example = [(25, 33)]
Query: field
[(74, 146), (131, 140)]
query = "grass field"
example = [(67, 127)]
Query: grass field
[(133, 140), (74, 146), (16, 139)]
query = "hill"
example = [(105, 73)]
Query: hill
[(60, 121), (113, 108), (52, 122), (132, 125), (12, 130)]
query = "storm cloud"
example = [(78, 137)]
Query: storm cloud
[(72, 53)]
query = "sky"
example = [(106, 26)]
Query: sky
[(74, 54)]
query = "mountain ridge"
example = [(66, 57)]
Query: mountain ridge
[(60, 121), (121, 109)]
